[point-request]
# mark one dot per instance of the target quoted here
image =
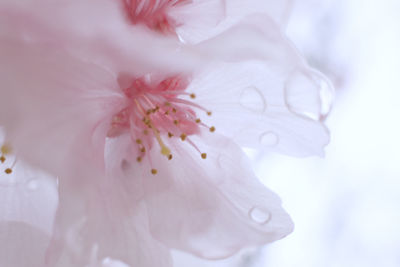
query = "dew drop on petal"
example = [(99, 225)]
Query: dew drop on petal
[(252, 99), (326, 94), (33, 185), (269, 139), (260, 215), (309, 93)]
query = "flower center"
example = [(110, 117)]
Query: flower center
[(159, 110), (154, 14)]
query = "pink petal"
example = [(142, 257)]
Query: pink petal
[(53, 106), (202, 20), (274, 101), (22, 245), (212, 207), (99, 222), (249, 103)]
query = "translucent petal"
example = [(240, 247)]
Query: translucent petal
[(209, 207), (205, 19), (22, 245), (253, 104), (101, 221), (55, 107)]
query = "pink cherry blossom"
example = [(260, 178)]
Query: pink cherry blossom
[(143, 130)]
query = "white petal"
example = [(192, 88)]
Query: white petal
[(55, 107), (22, 245), (212, 207), (204, 19), (101, 221), (258, 105)]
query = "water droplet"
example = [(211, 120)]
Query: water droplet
[(326, 94), (260, 215), (269, 139), (252, 99), (33, 184), (302, 95)]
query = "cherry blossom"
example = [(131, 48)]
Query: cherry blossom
[(144, 130)]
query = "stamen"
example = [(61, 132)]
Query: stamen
[(2, 159), (6, 149), (8, 171), (183, 137), (203, 155), (165, 109), (189, 103), (164, 149)]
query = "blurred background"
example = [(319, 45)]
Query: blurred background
[(346, 206)]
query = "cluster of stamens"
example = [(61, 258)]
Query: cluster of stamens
[(156, 112), (5, 152), (154, 14)]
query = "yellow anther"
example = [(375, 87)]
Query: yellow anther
[(183, 137), (146, 121), (176, 122), (138, 159), (192, 96), (209, 113), (212, 129), (203, 155), (143, 150), (165, 150), (170, 156), (153, 171), (198, 120), (174, 110), (167, 104), (166, 112), (170, 135), (6, 149), (138, 141), (8, 171), (145, 132), (2, 159), (148, 112)]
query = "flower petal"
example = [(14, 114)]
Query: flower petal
[(22, 244), (201, 20), (100, 221), (258, 105), (55, 107), (212, 207)]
